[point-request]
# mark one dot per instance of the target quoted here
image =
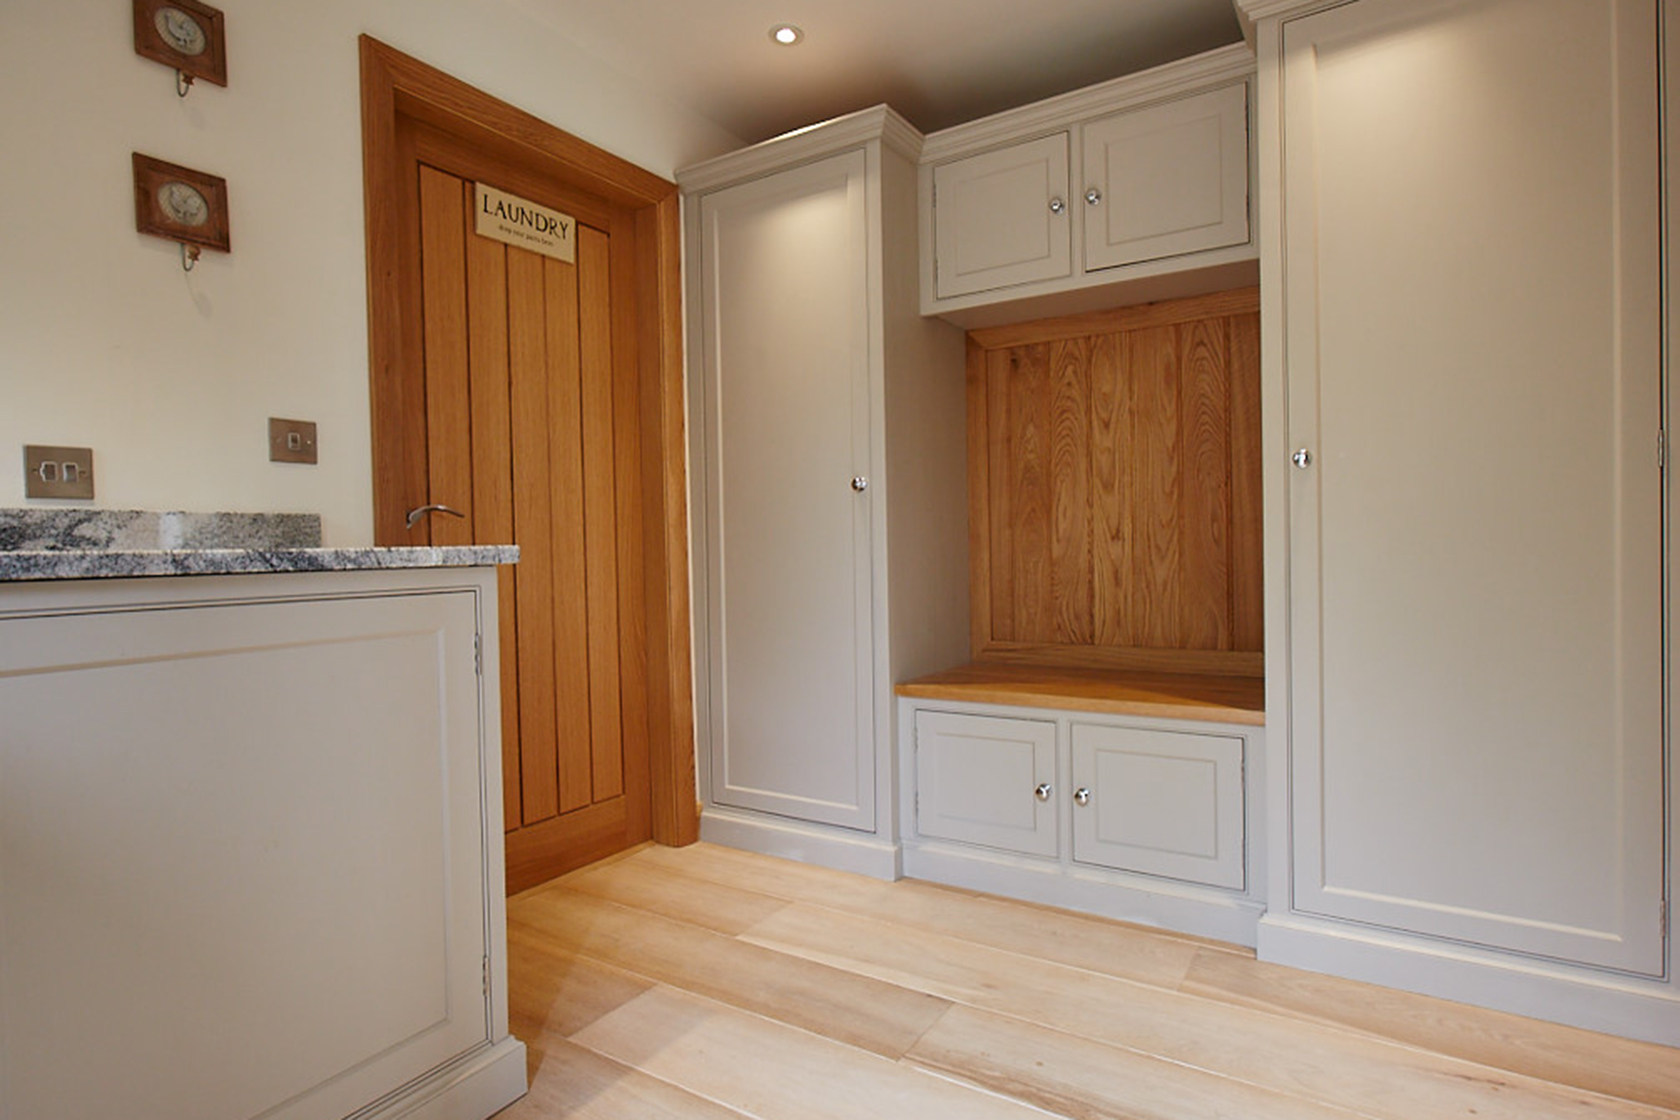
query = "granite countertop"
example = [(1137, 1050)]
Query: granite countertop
[(46, 564), (45, 544)]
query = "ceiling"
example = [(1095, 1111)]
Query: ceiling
[(938, 62)]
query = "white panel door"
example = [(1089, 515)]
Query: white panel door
[(1472, 348), (1002, 218), (241, 857), (987, 780), (1161, 802), (1167, 179), (785, 341)]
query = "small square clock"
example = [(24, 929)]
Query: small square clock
[(180, 204), (183, 34)]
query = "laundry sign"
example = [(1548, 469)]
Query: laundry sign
[(521, 222)]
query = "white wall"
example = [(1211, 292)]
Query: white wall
[(169, 377)]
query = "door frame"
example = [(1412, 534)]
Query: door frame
[(394, 86)]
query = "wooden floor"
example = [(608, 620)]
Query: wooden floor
[(709, 983)]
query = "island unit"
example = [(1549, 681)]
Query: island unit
[(250, 835)]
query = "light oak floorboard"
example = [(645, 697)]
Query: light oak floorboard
[(1347, 1070), (713, 906), (699, 1044), (579, 1084), (1638, 1071), (866, 1013), (1076, 1077), (1114, 948), (560, 992), (707, 976)]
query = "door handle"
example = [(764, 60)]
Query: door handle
[(415, 514)]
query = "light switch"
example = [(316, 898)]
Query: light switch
[(291, 441), (57, 472)]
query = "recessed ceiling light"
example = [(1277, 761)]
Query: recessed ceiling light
[(786, 34)]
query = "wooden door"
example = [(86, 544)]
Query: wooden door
[(1002, 218), (532, 434), (1473, 364), (596, 392), (786, 415)]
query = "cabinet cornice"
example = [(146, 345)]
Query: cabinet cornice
[(804, 144), (1191, 75)]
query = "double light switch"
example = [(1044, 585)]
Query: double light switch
[(57, 472)]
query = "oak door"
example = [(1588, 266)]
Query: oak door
[(530, 382), (1473, 367)]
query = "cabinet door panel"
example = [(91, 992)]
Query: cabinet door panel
[(1476, 585), (242, 858), (993, 222), (784, 338), (1173, 179), (977, 779), (1161, 802)]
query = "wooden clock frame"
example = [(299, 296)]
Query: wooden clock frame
[(211, 65), (149, 216)]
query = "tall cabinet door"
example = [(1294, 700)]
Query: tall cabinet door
[(1473, 373), (785, 344)]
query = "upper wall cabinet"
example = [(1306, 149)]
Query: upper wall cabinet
[(1002, 217), (1167, 180), (1131, 191)]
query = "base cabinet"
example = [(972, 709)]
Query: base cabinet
[(1141, 819), (1159, 802), (251, 849), (987, 780)]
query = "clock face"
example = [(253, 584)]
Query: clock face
[(182, 203), (181, 31)]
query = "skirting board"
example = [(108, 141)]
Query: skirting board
[(473, 1088), (838, 848), (1648, 1010), (1163, 904)]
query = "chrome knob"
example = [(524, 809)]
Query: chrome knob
[(414, 515), (1057, 205), (1302, 458), (860, 484), (1043, 791), (1093, 196), (1082, 796)]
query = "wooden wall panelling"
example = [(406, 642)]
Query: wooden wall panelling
[(981, 575), (1070, 491), (1247, 591), (1111, 476), (1115, 487), (1205, 485)]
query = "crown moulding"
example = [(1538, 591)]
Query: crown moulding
[(811, 142), (1251, 12), (1174, 79)]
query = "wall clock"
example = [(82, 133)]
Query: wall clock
[(182, 205), (183, 34)]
